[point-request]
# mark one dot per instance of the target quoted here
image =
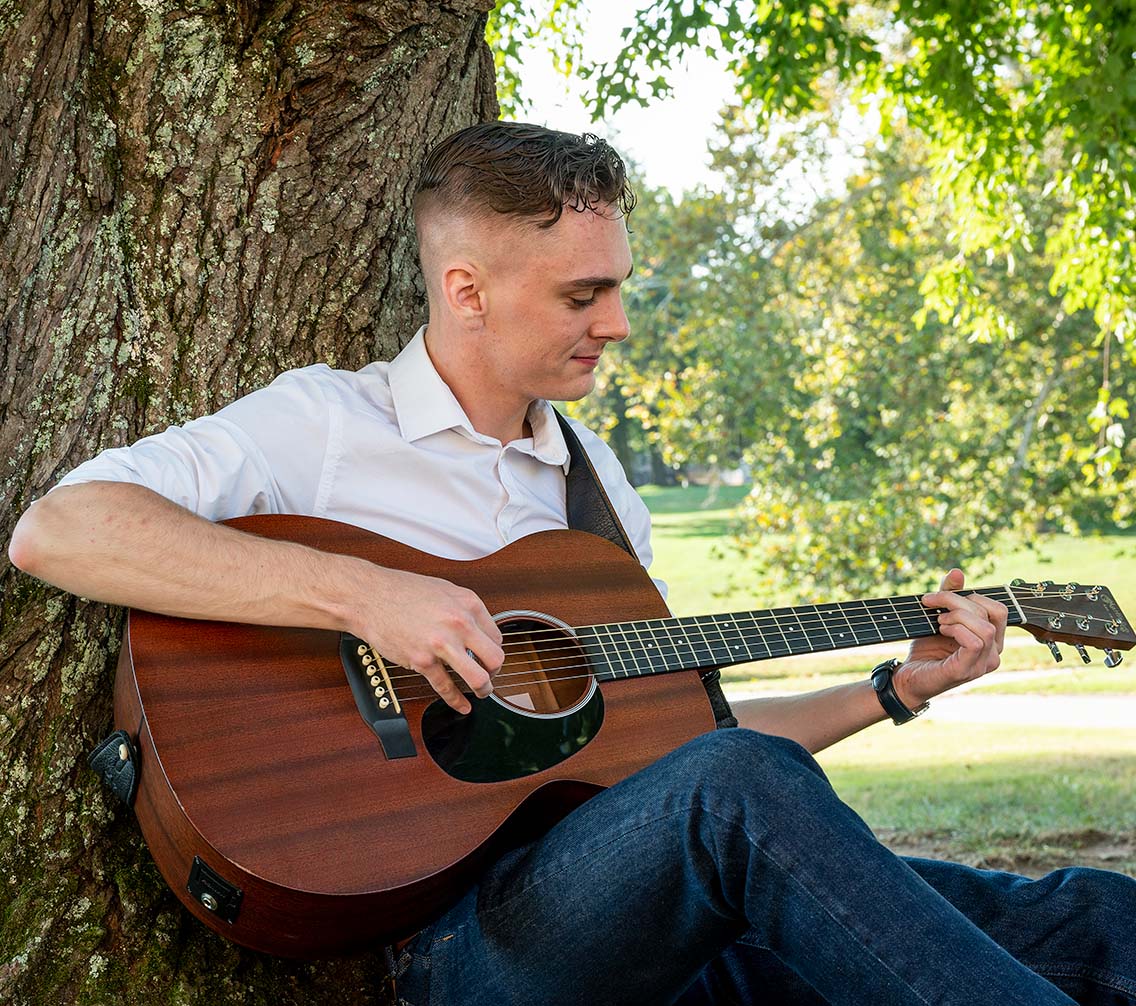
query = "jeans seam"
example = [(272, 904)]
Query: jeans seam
[(584, 855), (1108, 979), (493, 910), (795, 880)]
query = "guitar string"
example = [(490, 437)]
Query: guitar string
[(738, 622), (908, 606), (730, 629), (499, 678), (632, 634)]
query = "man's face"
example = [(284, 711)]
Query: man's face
[(553, 306)]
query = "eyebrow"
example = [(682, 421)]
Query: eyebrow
[(591, 282)]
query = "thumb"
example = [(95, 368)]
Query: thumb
[(953, 580)]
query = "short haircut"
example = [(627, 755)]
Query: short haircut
[(524, 171)]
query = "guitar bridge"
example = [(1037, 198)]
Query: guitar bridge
[(375, 697)]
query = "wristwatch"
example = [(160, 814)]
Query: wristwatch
[(885, 692)]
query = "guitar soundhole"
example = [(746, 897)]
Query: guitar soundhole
[(545, 671), (544, 708)]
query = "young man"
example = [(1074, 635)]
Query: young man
[(728, 871)]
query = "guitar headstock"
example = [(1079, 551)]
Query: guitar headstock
[(1071, 613)]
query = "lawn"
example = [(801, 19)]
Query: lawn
[(1027, 798), (1030, 797)]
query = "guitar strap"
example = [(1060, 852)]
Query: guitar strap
[(589, 509)]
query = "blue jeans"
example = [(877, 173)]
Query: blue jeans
[(730, 872)]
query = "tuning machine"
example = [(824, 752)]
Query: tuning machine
[(1083, 653), (1112, 658), (1054, 650)]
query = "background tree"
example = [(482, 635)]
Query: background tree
[(193, 197), (1010, 97)]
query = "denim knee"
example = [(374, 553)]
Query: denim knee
[(745, 763), (1090, 902)]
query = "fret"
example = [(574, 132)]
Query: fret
[(885, 620), (594, 651), (751, 628), (863, 624), (644, 648), (703, 643), (821, 623), (668, 642), (731, 643), (651, 646), (773, 633), (836, 622), (916, 619), (621, 666)]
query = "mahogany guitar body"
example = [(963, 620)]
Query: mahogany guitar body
[(259, 775)]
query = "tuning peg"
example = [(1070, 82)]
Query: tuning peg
[(1017, 581), (1083, 653), (1053, 649), (1112, 658)]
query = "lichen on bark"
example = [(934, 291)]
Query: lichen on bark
[(193, 197)]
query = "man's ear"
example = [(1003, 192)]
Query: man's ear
[(464, 292)]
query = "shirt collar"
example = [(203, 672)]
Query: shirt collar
[(425, 405)]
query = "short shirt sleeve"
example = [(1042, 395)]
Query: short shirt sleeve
[(264, 453)]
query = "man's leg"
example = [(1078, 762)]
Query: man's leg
[(1072, 926), (633, 894)]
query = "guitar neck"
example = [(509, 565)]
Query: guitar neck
[(656, 646)]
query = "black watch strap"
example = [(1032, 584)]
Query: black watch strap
[(885, 691)]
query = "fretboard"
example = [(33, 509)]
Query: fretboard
[(658, 645)]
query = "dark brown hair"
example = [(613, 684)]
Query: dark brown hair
[(525, 171)]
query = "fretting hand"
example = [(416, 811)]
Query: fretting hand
[(972, 631)]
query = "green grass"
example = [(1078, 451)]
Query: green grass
[(693, 554), (985, 793)]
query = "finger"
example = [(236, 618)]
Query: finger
[(467, 665), (998, 614), (975, 649), (442, 683), (975, 621), (953, 580), (491, 629), (487, 647), (973, 662)]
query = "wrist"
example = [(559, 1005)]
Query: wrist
[(897, 705), (901, 680), (337, 594)]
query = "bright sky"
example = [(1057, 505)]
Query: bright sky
[(668, 138)]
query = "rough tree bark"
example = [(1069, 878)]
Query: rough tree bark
[(193, 197)]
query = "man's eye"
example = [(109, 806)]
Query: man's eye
[(579, 302)]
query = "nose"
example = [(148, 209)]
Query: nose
[(612, 324)]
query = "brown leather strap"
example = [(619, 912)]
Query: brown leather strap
[(589, 509)]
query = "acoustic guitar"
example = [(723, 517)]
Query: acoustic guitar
[(304, 797)]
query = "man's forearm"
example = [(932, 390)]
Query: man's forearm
[(818, 719), (125, 544)]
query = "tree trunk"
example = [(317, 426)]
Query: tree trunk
[(193, 198)]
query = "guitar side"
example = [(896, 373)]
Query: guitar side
[(255, 760)]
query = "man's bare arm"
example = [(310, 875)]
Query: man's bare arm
[(124, 544)]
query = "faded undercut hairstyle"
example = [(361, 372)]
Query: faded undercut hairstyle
[(522, 171)]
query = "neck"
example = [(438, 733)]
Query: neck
[(490, 415), (654, 646)]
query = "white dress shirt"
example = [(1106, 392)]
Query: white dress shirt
[(387, 448)]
